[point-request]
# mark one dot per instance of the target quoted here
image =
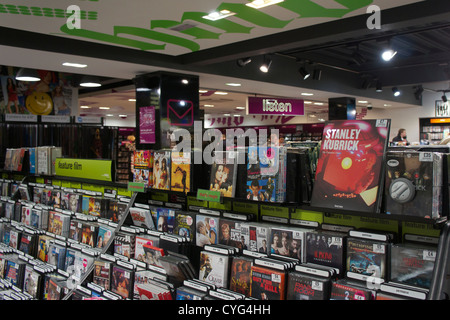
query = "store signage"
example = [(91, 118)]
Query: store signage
[(208, 195), (147, 131), (84, 169), (275, 106)]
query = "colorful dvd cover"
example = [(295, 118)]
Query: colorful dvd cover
[(180, 178), (351, 165), (268, 284), (206, 230), (161, 170), (214, 268), (223, 176), (240, 276), (366, 258)]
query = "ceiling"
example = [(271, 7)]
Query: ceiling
[(119, 40)]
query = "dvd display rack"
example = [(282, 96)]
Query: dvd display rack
[(365, 244)]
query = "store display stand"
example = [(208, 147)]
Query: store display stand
[(440, 272), (106, 247)]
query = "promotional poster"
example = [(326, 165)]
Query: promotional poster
[(351, 164)]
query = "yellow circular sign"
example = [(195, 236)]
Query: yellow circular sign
[(39, 103)]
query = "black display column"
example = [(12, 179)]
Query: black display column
[(165, 102), (341, 109)]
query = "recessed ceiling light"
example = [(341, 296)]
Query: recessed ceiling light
[(208, 105), (217, 15), (131, 100), (312, 115), (122, 115), (25, 74), (257, 4), (110, 115), (231, 84), (307, 102), (104, 108), (202, 91), (307, 94), (74, 65), (85, 107), (387, 105), (221, 92), (240, 108), (318, 103), (227, 114), (236, 115), (363, 101)]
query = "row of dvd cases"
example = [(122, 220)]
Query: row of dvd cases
[(155, 252)]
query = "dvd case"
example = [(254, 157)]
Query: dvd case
[(412, 264), (414, 183), (214, 268), (350, 167), (181, 172), (161, 170), (366, 258), (223, 175), (326, 248), (268, 283)]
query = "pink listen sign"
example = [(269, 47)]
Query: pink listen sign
[(275, 106)]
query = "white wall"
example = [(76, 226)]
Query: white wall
[(115, 121)]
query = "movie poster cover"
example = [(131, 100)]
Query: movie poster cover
[(306, 287), (268, 284), (230, 233), (214, 268), (240, 278), (223, 176), (143, 167), (345, 290), (185, 224), (256, 237), (122, 281), (412, 265), (181, 172), (367, 258), (351, 165), (206, 230), (264, 174), (102, 273), (326, 249), (288, 243), (161, 170)]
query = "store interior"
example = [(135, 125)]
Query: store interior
[(314, 51)]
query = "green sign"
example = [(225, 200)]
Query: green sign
[(274, 211), (84, 169), (136, 186), (208, 195)]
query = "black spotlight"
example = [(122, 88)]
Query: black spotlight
[(304, 73), (396, 91), (444, 98), (243, 62), (418, 92), (317, 74)]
